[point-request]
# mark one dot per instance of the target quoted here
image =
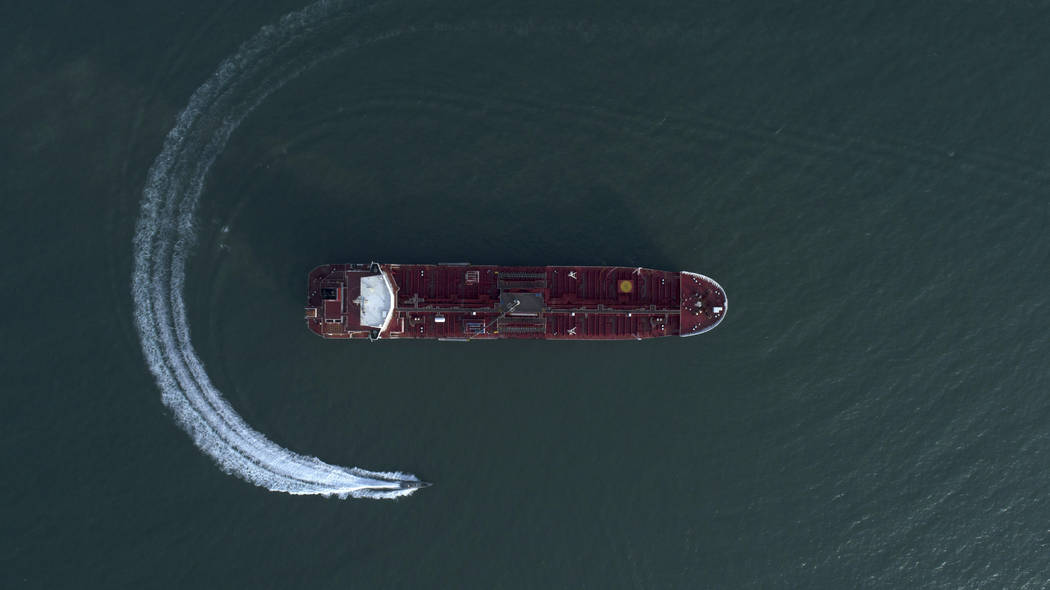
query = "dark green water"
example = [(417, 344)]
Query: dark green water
[(869, 184)]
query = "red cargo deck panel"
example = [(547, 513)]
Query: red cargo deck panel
[(478, 302)]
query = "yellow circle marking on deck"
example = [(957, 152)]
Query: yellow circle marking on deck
[(626, 286)]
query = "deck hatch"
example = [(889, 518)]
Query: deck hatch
[(529, 304)]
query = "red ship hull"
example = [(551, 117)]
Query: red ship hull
[(469, 302)]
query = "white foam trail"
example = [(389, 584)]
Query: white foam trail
[(164, 236)]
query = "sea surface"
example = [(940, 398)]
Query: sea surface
[(870, 182)]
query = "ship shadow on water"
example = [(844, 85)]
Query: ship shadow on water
[(577, 224), (584, 225)]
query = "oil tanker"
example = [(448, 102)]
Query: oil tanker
[(460, 301)]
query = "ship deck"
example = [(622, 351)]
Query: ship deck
[(472, 302)]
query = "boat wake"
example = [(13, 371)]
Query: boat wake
[(164, 237)]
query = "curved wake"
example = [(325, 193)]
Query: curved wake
[(164, 236)]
